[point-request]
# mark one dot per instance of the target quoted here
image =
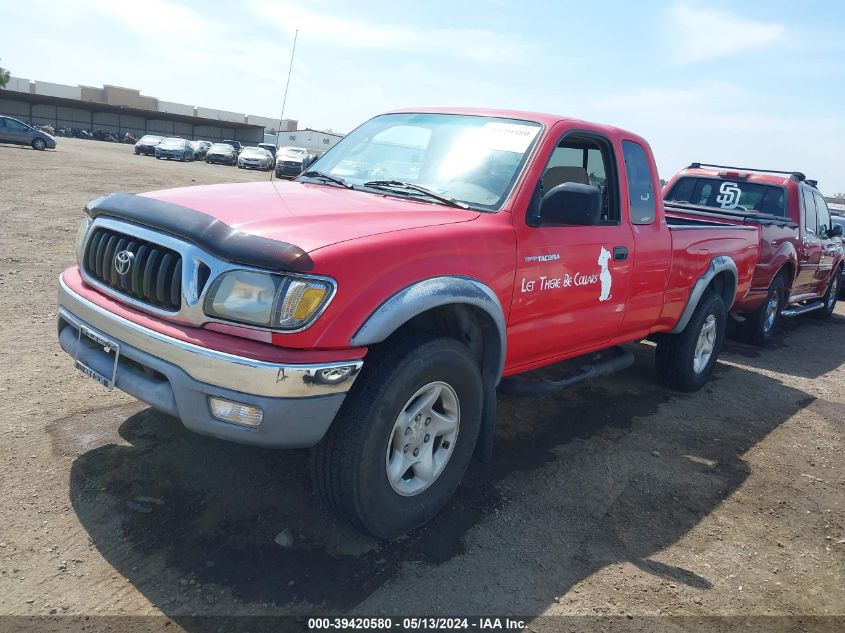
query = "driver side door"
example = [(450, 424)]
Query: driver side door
[(571, 281)]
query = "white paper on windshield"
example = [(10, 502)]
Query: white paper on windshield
[(508, 137)]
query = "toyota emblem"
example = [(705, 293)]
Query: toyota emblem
[(123, 261)]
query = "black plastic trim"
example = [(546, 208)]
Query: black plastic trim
[(210, 234)]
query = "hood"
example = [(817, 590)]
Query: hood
[(310, 216)]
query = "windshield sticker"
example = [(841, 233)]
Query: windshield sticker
[(729, 194), (509, 137)]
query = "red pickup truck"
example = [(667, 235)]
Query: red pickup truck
[(801, 256), (371, 307)]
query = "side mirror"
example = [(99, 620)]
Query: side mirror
[(835, 231), (571, 203)]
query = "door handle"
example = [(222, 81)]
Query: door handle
[(620, 253)]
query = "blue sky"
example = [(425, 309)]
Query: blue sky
[(759, 84)]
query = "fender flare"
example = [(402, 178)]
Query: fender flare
[(425, 295), (718, 265)]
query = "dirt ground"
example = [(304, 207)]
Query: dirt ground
[(619, 497)]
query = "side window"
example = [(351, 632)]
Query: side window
[(588, 160), (14, 126), (823, 215), (810, 219), (640, 184)]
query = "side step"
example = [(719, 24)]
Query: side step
[(602, 363), (804, 309)]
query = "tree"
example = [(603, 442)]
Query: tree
[(4, 77)]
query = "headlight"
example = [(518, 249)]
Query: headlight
[(80, 238), (272, 301)]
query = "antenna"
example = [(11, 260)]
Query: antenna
[(285, 99)]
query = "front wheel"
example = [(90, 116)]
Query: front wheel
[(831, 296), (686, 360), (403, 438), (39, 144)]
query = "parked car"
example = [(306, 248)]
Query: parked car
[(405, 302), (147, 144), (270, 147), (200, 149), (255, 158), (221, 153), (289, 161), (19, 133), (176, 149), (801, 256), (236, 144)]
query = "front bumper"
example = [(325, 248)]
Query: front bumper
[(222, 160), (148, 150), (299, 402), (250, 165), (288, 170)]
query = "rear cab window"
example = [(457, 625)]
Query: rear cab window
[(640, 183), (731, 195)]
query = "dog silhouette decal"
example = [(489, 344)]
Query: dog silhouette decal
[(604, 275)]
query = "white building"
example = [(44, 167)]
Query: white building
[(307, 138)]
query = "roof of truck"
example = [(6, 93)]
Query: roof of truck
[(540, 117)]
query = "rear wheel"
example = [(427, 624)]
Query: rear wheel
[(758, 327), (403, 438), (686, 360), (831, 296)]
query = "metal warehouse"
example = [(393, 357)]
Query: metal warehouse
[(120, 110)]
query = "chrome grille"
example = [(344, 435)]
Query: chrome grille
[(154, 275)]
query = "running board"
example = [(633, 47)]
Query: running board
[(799, 310), (605, 362)]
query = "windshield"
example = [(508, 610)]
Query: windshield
[(473, 159), (253, 151), (151, 139), (222, 147)]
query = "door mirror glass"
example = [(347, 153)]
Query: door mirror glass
[(571, 203), (835, 231)]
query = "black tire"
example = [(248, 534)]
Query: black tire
[(758, 327), (349, 465), (830, 297), (675, 355), (39, 144)]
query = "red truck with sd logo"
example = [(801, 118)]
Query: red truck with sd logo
[(370, 308), (801, 255)]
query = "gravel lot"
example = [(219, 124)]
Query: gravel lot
[(618, 497)]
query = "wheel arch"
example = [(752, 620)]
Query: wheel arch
[(721, 276), (455, 306)]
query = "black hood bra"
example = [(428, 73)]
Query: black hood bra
[(210, 234)]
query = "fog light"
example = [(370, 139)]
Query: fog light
[(235, 412)]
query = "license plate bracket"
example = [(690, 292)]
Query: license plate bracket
[(108, 346)]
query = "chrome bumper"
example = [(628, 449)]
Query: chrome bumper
[(209, 366)]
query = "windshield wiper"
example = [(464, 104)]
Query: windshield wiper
[(319, 175), (398, 184)]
